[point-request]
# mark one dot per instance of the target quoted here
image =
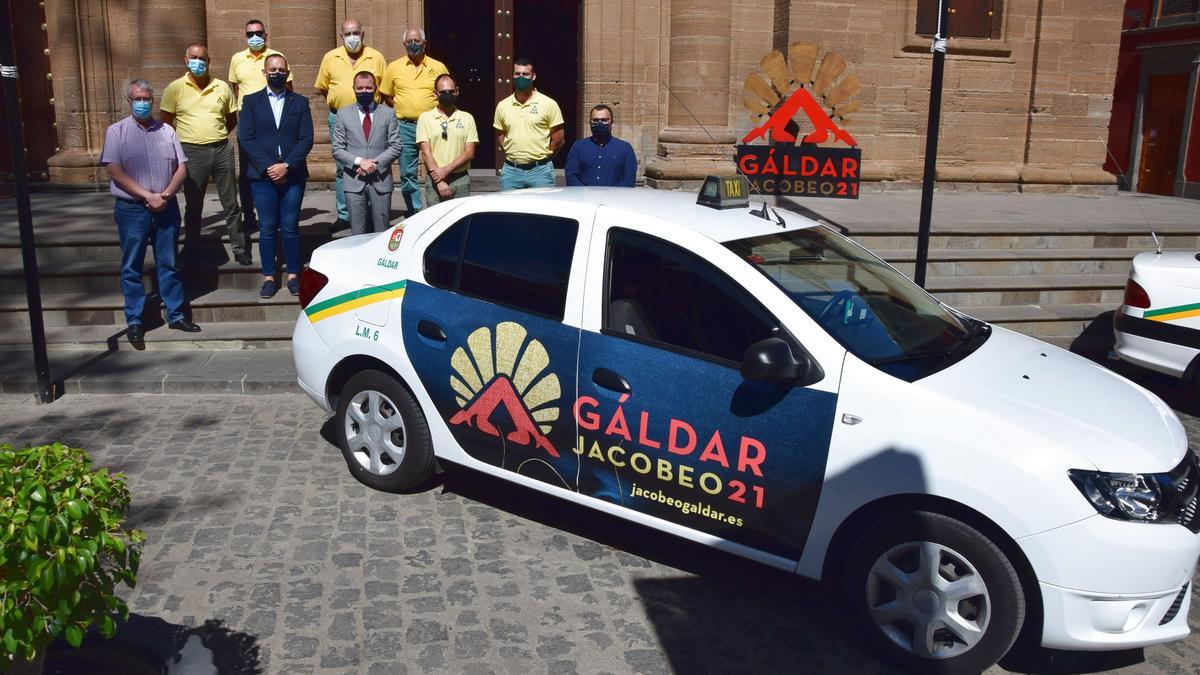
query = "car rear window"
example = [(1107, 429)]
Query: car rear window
[(517, 260)]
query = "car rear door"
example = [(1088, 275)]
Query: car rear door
[(492, 330)]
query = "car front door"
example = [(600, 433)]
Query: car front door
[(668, 427), (493, 337)]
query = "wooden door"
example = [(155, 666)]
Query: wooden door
[(478, 42), (33, 84), (463, 38), (1162, 132)]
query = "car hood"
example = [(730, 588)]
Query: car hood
[(1073, 403)]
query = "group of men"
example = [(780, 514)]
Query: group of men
[(380, 114)]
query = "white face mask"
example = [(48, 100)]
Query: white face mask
[(353, 42)]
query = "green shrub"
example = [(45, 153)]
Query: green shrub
[(62, 548)]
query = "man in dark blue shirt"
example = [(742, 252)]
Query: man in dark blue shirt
[(601, 159)]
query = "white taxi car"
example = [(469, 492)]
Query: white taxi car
[(758, 383), (1158, 324)]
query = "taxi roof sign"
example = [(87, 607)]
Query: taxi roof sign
[(724, 192)]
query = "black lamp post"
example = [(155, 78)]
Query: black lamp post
[(16, 144), (931, 140)]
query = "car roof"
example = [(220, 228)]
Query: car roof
[(676, 206)]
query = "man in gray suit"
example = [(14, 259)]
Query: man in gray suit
[(366, 140)]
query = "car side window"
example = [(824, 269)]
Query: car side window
[(517, 260), (661, 293), (443, 256)]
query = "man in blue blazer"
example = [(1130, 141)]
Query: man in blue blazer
[(275, 130)]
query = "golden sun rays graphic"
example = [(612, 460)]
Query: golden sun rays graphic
[(503, 367)]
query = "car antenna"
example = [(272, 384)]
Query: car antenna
[(1157, 243), (765, 212)]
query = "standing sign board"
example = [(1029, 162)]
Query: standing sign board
[(794, 84)]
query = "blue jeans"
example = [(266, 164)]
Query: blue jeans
[(512, 178), (339, 193), (409, 186), (137, 227), (278, 208)]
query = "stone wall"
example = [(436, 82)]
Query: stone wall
[(1017, 109), (1014, 108)]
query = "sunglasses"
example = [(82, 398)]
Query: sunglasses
[(444, 126), (259, 33)]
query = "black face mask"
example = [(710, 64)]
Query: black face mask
[(365, 98), (447, 99), (601, 131), (277, 80)]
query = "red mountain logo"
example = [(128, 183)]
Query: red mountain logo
[(501, 393), (823, 125), (506, 369)]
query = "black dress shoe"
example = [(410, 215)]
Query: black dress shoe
[(243, 258), (136, 337), (184, 325), (339, 225)]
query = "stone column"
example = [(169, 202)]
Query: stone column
[(697, 140), (164, 30), (83, 78), (304, 30)]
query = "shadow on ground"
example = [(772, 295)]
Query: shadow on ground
[(151, 645)]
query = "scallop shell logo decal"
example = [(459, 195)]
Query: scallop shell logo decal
[(506, 369)]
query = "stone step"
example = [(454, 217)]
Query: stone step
[(1042, 322), (999, 268), (1045, 322), (227, 335), (103, 276), (101, 309), (968, 292), (1043, 238), (1010, 254), (1025, 283)]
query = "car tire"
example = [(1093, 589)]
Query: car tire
[(383, 434), (968, 608)]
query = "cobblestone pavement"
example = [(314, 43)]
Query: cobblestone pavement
[(260, 540)]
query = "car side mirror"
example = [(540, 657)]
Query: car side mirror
[(773, 359)]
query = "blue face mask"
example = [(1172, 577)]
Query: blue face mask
[(256, 42), (141, 109), (414, 48), (198, 67)]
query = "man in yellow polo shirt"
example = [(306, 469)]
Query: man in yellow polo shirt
[(447, 137), (408, 87), (203, 111), (335, 81), (246, 77), (530, 127)]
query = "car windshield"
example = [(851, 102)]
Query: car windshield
[(875, 312)]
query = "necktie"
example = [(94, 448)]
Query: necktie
[(366, 125)]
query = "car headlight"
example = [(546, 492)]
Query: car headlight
[(1124, 496), (1171, 497)]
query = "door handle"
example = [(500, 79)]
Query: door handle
[(607, 379), (431, 330)]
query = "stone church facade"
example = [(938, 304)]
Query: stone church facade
[(1027, 97)]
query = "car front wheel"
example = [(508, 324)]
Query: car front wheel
[(383, 433), (933, 594)]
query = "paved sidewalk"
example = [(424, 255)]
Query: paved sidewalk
[(154, 371), (262, 544)]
